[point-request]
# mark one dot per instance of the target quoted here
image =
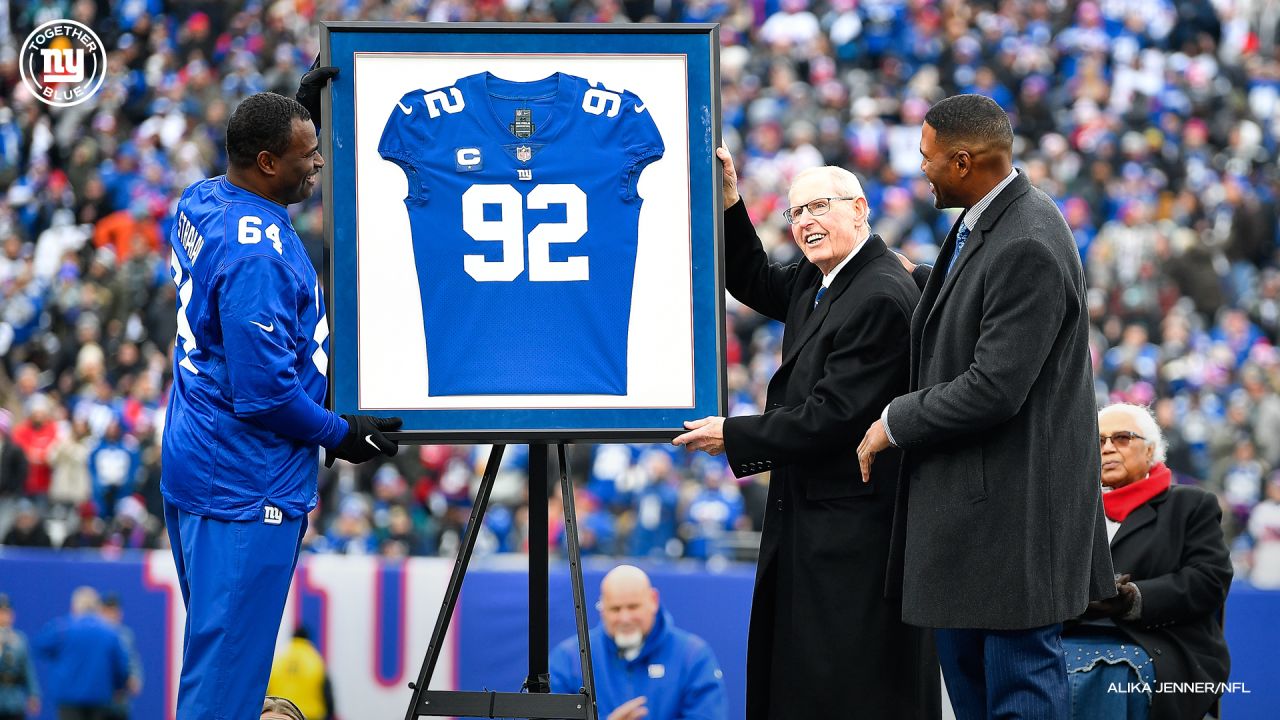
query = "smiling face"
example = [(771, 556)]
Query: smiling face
[(297, 171), (935, 163), (1123, 465), (827, 239)]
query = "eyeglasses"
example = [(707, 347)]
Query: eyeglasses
[(821, 206), (1120, 440)]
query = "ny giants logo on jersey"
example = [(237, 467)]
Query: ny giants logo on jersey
[(272, 515)]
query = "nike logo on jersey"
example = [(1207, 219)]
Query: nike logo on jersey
[(267, 328), (639, 108)]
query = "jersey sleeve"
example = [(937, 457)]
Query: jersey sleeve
[(258, 310), (405, 136), (635, 133)]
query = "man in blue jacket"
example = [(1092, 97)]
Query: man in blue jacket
[(645, 666), (90, 663)]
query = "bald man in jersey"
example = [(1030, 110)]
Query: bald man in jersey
[(645, 666)]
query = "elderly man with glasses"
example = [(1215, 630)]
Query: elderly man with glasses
[(1163, 626), (824, 641)]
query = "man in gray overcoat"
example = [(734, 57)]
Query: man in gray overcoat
[(998, 528)]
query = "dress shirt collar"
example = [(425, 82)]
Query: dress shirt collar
[(831, 276), (971, 215)]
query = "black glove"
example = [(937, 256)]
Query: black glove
[(1114, 607), (364, 440), (310, 87)]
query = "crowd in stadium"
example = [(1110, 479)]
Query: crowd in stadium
[(1154, 124)]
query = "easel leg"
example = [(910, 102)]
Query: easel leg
[(579, 595), (455, 580), (539, 679), (538, 702)]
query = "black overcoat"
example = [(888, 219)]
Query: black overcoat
[(824, 641), (1173, 549)]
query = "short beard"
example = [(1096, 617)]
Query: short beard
[(629, 640)]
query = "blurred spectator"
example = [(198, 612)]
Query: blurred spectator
[(597, 527), (70, 485), (1239, 478), (28, 528), (653, 531), (1264, 414), (400, 534), (711, 514), (113, 614), (19, 689), (113, 465), (299, 674), (351, 533), (89, 661), (34, 435), (13, 473), (133, 528), (1264, 527), (91, 532)]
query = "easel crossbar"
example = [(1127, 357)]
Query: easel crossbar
[(503, 705)]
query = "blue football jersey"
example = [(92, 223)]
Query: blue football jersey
[(523, 207), (252, 333)]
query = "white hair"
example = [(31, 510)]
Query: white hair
[(843, 181), (1147, 426)]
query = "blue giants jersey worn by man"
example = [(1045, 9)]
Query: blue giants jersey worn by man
[(524, 212), (252, 338)]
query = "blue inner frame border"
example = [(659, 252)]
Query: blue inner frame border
[(340, 42)]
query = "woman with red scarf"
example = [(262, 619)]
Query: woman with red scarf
[(1173, 571)]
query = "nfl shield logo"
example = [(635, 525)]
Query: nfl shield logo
[(524, 153)]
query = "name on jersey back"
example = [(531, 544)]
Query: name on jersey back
[(192, 241)]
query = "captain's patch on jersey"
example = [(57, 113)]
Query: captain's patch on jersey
[(468, 159)]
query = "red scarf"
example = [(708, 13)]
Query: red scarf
[(1118, 503)]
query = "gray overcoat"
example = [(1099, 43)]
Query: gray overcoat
[(998, 517)]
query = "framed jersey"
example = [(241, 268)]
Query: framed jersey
[(524, 227)]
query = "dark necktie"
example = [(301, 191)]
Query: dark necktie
[(962, 234), (818, 298)]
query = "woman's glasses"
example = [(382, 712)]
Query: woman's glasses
[(1120, 440)]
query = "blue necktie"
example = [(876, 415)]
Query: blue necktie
[(821, 291), (962, 234)]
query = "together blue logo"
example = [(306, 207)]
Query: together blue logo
[(63, 63)]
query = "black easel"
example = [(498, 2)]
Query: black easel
[(537, 703)]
